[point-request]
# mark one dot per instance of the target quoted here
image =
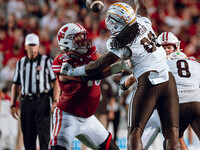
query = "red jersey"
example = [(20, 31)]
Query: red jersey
[(78, 98)]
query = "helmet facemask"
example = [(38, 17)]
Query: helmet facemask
[(118, 16), (82, 44), (114, 23)]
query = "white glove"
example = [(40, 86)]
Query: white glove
[(65, 68)]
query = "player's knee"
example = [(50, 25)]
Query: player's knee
[(58, 147), (171, 132), (172, 138), (109, 144)]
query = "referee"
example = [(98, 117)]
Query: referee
[(35, 78)]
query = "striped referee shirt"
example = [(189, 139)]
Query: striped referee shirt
[(34, 76)]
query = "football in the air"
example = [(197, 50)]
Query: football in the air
[(95, 5)]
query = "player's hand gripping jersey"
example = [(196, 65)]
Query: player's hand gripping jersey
[(78, 98), (145, 53)]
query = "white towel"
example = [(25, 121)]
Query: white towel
[(158, 77)]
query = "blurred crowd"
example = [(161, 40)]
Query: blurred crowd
[(44, 17)]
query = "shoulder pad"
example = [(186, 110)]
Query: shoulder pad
[(64, 57)]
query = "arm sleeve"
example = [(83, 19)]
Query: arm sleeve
[(56, 66), (16, 78), (51, 72)]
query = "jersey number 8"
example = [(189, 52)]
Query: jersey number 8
[(183, 70)]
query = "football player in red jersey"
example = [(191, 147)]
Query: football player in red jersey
[(73, 116)]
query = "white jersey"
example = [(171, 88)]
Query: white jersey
[(186, 73), (146, 55)]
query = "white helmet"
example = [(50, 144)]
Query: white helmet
[(66, 35), (118, 16), (177, 55), (168, 38)]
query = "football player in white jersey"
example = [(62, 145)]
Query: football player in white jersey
[(186, 72), (134, 38)]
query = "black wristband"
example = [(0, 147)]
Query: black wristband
[(12, 106), (123, 87)]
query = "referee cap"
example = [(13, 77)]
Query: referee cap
[(32, 39)]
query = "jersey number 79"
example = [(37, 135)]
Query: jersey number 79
[(149, 43)]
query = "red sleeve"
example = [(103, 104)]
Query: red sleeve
[(56, 66), (93, 49), (93, 52)]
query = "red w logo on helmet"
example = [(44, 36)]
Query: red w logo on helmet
[(61, 33)]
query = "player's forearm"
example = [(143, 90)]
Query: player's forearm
[(141, 8), (139, 3), (56, 91), (101, 64), (100, 75), (112, 69), (94, 67), (129, 81)]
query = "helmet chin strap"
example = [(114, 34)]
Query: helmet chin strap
[(75, 54)]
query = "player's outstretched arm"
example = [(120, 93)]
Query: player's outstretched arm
[(112, 69), (141, 8), (93, 68), (101, 64)]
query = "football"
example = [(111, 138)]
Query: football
[(95, 5)]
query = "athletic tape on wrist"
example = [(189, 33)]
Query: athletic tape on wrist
[(79, 71)]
